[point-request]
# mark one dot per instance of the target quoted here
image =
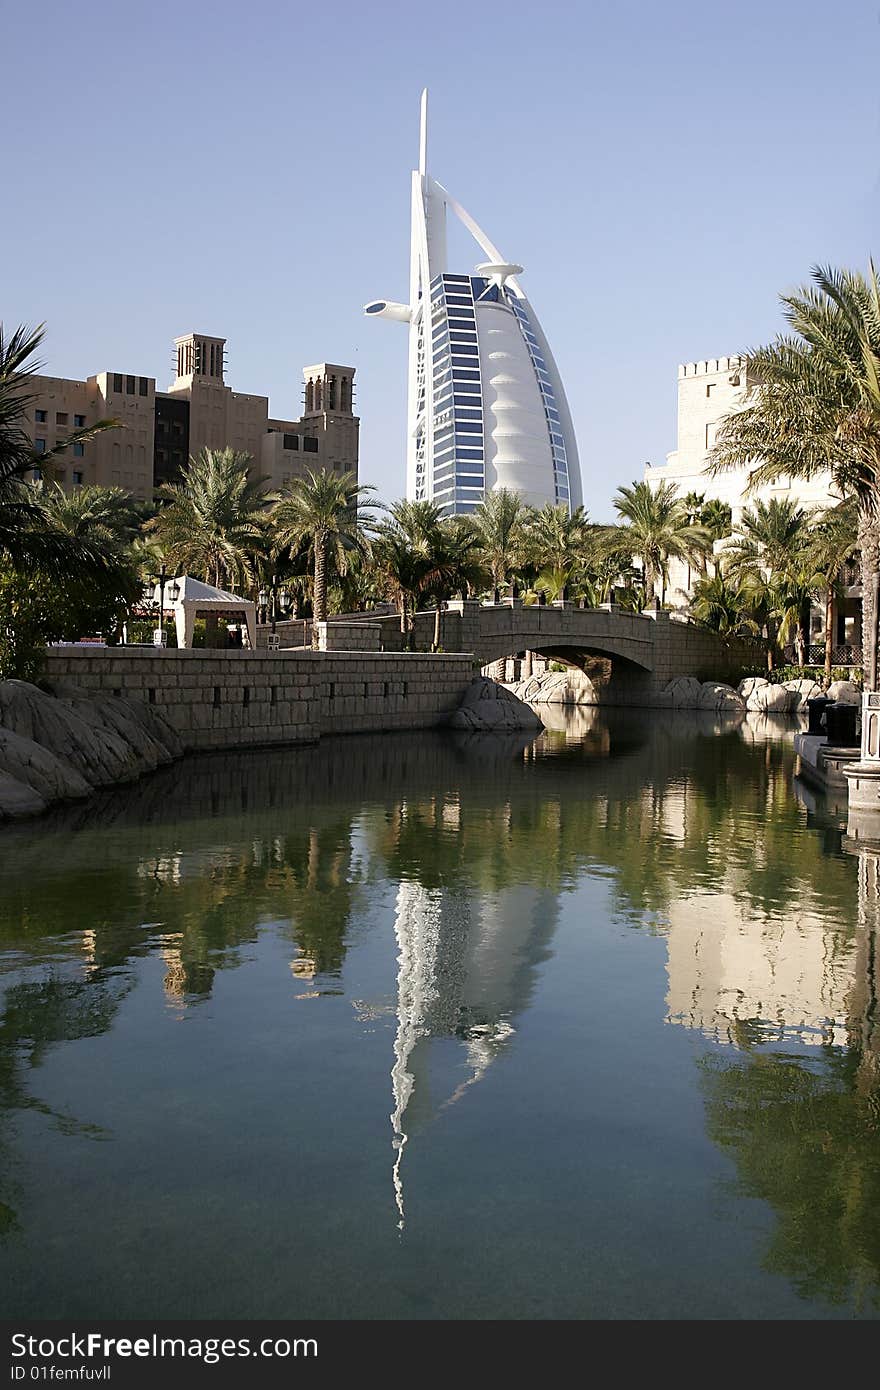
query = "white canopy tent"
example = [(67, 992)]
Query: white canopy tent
[(193, 599)]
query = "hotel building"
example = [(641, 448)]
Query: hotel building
[(162, 429), (486, 405)]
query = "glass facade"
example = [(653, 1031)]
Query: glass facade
[(458, 464)]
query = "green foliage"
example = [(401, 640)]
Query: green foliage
[(209, 525), (35, 609), (656, 526)]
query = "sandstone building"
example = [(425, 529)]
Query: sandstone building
[(161, 429), (707, 391)]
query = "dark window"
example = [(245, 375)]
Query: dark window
[(61, 417), (117, 381), (77, 479), (310, 444), (129, 385), (143, 386), (39, 446), (291, 441), (78, 450), (462, 375), (79, 421), (38, 475), (40, 417), (468, 427)]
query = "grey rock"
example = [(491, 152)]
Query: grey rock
[(487, 706), (750, 684), (18, 799), (557, 688), (40, 769), (717, 697), (802, 690), (770, 699), (847, 692), (683, 693)]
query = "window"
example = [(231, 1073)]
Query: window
[(37, 475), (77, 478), (79, 421), (291, 441), (708, 436), (129, 385), (39, 446), (78, 450), (709, 389), (40, 417), (310, 444), (117, 381), (61, 417), (143, 386)]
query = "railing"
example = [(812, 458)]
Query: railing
[(843, 654)]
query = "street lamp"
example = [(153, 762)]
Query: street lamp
[(173, 594), (280, 598)]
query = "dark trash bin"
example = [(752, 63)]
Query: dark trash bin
[(816, 707), (840, 724)]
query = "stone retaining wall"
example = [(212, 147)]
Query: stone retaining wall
[(238, 699)]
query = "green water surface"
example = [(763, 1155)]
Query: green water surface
[(438, 1026)]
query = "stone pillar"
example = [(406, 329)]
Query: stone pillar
[(863, 777)]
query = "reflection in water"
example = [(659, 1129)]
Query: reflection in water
[(435, 882), (465, 969)]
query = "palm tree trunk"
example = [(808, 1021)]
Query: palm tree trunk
[(829, 632), (649, 584), (869, 545), (437, 612), (319, 605)]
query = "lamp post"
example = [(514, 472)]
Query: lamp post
[(279, 599), (173, 592)]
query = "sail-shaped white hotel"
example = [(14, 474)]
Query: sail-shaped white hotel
[(486, 404)]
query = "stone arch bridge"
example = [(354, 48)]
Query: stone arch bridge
[(630, 656)]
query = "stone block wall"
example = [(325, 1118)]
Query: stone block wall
[(240, 699), (353, 636)]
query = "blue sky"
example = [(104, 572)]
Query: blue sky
[(660, 171)]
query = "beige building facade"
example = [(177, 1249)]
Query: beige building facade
[(161, 429), (707, 392)]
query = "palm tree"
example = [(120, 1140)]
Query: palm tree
[(454, 564), (402, 567), (556, 543), (500, 524), (816, 409), (656, 528), (768, 558), (24, 538), (722, 606), (832, 545), (717, 517), (768, 536), (321, 511), (210, 525)]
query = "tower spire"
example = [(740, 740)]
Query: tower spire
[(423, 133)]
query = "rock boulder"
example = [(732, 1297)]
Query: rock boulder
[(487, 706), (847, 692)]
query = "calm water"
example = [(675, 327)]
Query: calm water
[(437, 1026)]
